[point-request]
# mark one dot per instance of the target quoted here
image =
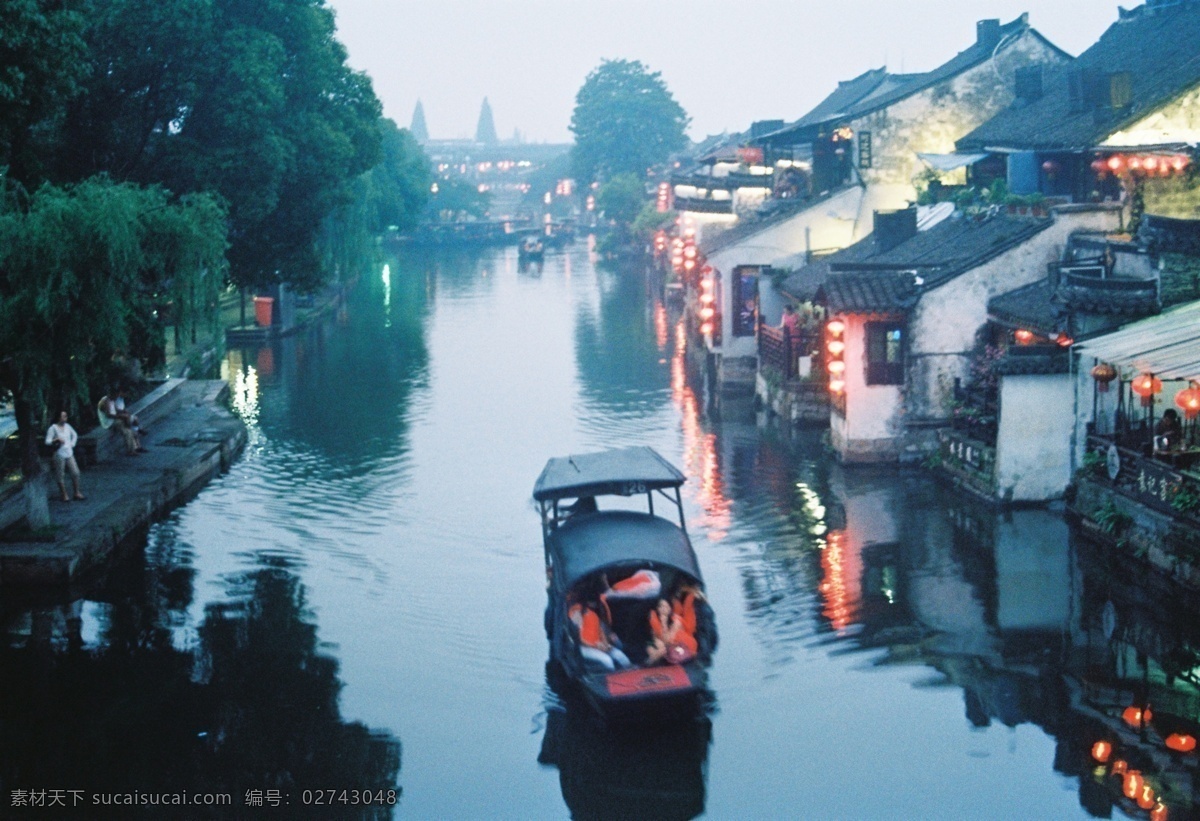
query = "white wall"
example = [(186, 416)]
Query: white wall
[(944, 324), (1033, 447), (872, 425)]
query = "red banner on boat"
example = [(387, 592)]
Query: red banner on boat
[(649, 680)]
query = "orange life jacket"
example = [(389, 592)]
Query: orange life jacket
[(685, 610)]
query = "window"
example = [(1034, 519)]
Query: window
[(885, 353), (864, 149), (745, 300)]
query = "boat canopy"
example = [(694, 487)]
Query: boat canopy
[(592, 542), (620, 472)]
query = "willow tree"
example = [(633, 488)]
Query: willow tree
[(85, 273)]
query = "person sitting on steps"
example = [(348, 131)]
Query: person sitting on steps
[(112, 417)]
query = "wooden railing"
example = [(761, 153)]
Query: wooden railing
[(1151, 481), (969, 460), (704, 206), (780, 351)]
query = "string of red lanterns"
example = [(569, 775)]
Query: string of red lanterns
[(1161, 165), (835, 346)]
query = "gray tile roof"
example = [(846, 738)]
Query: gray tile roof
[(933, 257), (876, 89), (1159, 46), (869, 292)]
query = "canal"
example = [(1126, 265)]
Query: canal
[(357, 605)]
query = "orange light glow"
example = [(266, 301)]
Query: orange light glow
[(837, 347), (707, 313), (661, 325), (1135, 716), (1146, 386), (706, 328), (1180, 743), (837, 385), (1159, 813), (836, 327), (707, 299), (1145, 798), (841, 567), (1119, 767), (1133, 784), (1101, 750), (837, 367), (699, 445), (706, 284), (1188, 400), (1023, 336), (1115, 163)]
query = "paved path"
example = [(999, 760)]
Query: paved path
[(185, 449)]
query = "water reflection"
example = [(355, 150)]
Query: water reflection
[(252, 705), (642, 771)]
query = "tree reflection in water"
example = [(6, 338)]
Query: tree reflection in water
[(253, 707)]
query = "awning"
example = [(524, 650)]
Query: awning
[(949, 162), (1167, 345)]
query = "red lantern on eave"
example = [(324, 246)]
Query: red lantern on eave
[(1135, 716), (1133, 783), (1159, 813), (1146, 386), (1189, 401), (1180, 743), (1103, 374), (1145, 798), (1101, 750)]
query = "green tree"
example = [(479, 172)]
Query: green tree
[(252, 99), (620, 199), (625, 120), (86, 273), (42, 63)]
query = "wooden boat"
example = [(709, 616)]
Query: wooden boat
[(619, 563), (531, 249)]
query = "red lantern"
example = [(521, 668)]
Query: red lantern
[(1137, 717), (1023, 336), (1133, 784), (1146, 386), (835, 327), (1050, 167), (1145, 798), (1101, 750), (1180, 743), (1103, 374), (1115, 163), (1159, 813), (1119, 767), (1189, 401)]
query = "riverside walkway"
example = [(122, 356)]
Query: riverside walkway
[(192, 437)]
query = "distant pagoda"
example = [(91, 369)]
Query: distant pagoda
[(485, 132), (419, 131)]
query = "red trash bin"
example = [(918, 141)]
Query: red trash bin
[(263, 305)]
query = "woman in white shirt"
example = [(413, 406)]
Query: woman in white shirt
[(64, 437)]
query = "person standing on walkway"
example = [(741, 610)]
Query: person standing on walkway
[(63, 437)]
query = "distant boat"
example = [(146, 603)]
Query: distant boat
[(531, 250)]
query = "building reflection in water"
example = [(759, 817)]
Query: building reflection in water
[(699, 445), (1034, 625)]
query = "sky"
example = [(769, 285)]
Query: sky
[(727, 62)]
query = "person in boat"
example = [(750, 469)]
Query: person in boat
[(670, 641), (596, 641), (684, 606)]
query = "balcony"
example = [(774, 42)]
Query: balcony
[(1164, 482), (703, 206), (730, 182)]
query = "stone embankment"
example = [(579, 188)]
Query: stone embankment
[(192, 437)]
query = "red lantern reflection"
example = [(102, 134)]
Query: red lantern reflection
[(1101, 750)]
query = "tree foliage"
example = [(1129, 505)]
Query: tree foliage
[(625, 120), (86, 273)]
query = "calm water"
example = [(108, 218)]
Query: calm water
[(358, 604)]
